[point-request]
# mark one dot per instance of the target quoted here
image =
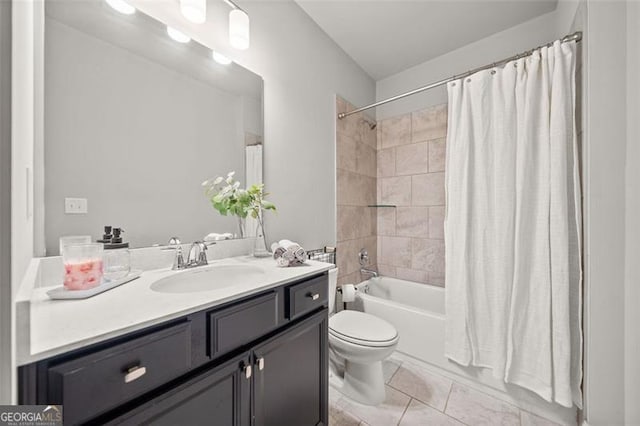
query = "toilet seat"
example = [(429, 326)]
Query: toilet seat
[(362, 329)]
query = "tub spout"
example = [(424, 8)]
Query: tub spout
[(366, 271)]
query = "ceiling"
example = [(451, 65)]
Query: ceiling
[(388, 36)]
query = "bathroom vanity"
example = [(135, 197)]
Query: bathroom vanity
[(256, 359)]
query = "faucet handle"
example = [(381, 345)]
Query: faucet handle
[(178, 260)]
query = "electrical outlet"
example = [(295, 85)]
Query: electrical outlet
[(75, 206)]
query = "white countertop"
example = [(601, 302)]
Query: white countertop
[(50, 327)]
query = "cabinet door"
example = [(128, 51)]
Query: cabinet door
[(291, 376), (219, 396)]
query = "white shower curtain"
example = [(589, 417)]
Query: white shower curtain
[(513, 276)]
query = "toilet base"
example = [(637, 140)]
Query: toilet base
[(364, 382)]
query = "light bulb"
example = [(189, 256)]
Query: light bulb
[(177, 35), (220, 58), (122, 6), (239, 29), (194, 10)]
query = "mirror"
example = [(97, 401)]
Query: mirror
[(134, 122)]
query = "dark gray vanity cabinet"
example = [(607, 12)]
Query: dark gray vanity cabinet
[(260, 360), (218, 396), (289, 389)]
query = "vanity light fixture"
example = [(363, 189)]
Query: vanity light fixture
[(177, 35), (194, 10), (238, 27), (122, 6), (220, 58)]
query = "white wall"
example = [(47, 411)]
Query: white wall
[(303, 69), (632, 272), (604, 203), (506, 43), (5, 203)]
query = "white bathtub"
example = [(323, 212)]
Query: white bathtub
[(416, 310), (418, 313)]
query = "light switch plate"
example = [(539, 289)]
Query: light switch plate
[(75, 206)]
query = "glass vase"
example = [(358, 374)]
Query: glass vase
[(260, 244), (241, 227)]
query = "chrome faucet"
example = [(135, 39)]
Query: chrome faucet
[(198, 254)]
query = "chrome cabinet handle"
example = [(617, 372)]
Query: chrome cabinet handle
[(247, 371), (260, 362), (134, 373), (313, 296)]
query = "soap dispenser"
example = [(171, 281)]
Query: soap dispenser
[(117, 260)]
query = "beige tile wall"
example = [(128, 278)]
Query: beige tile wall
[(410, 171), (356, 175)]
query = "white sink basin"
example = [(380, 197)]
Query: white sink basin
[(208, 278)]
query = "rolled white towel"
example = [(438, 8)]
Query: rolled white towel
[(287, 253), (214, 236), (299, 253)]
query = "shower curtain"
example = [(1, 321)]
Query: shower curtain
[(513, 276)]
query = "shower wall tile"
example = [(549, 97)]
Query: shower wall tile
[(429, 124), (387, 221), (411, 275), (411, 176), (387, 270), (437, 152), (395, 131), (386, 162), (427, 255), (412, 222), (397, 251), (346, 152), (356, 189), (412, 159), (436, 222), (428, 189), (396, 191), (435, 278), (367, 134), (366, 160)]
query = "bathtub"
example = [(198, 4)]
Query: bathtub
[(418, 313), (416, 310)]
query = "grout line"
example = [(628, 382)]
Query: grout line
[(416, 398), (394, 373), (448, 396), (405, 411)]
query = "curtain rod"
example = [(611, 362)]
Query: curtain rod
[(577, 36)]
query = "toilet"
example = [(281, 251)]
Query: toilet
[(358, 344)]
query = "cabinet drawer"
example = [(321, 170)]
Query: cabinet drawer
[(307, 296), (237, 325), (93, 384)]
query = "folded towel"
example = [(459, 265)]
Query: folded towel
[(299, 253), (214, 236), (287, 253)]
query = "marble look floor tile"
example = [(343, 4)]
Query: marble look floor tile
[(385, 414), (389, 368), (422, 385), (478, 409), (419, 414), (338, 417), (529, 419)]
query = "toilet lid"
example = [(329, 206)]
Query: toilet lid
[(356, 326)]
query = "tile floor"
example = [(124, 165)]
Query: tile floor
[(418, 397)]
